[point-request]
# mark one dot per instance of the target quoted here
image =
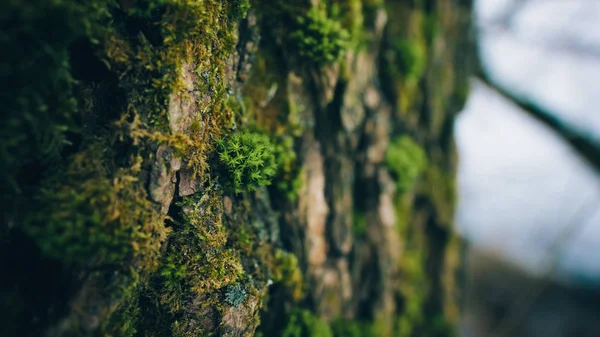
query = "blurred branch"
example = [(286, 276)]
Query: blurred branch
[(587, 148)]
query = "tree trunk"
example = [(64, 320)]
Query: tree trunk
[(141, 211)]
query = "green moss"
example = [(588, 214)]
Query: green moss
[(248, 159), (180, 328), (188, 38), (38, 103), (410, 59), (303, 323), (406, 160), (359, 223), (239, 9), (198, 259), (355, 328), (413, 282), (350, 15), (431, 27), (318, 39), (93, 214), (285, 270)]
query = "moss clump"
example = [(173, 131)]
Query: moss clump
[(239, 9), (285, 271), (410, 59), (406, 160), (248, 159), (90, 216), (303, 323), (318, 39)]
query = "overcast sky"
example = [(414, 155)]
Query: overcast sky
[(522, 188)]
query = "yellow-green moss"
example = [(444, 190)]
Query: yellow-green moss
[(196, 35), (285, 270), (198, 260), (95, 214), (93, 211), (270, 109)]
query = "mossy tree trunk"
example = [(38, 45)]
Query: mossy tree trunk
[(196, 167)]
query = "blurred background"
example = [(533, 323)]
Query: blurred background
[(528, 198)]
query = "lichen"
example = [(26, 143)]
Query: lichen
[(235, 295)]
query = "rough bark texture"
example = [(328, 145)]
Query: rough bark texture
[(344, 242)]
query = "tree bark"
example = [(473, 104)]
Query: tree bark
[(343, 242)]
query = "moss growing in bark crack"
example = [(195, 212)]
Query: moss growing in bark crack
[(407, 161), (248, 159), (354, 328), (198, 259)]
